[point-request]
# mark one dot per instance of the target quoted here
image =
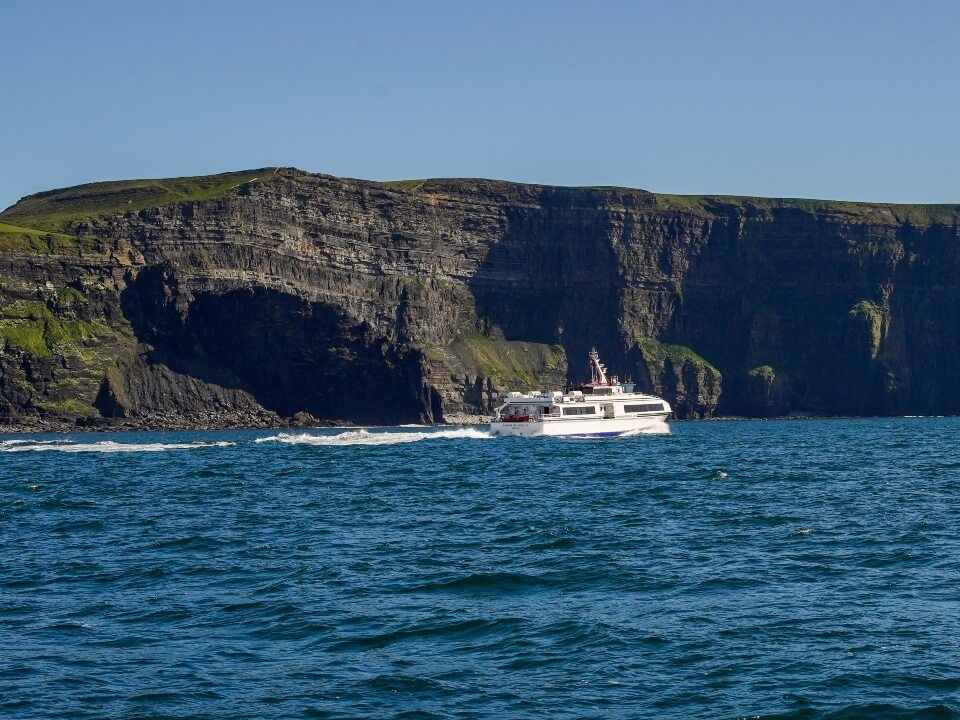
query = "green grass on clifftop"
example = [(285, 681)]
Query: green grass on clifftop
[(714, 205), (31, 240), (404, 184), (55, 209), (919, 215)]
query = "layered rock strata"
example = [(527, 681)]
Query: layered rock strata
[(251, 298)]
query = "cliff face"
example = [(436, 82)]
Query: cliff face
[(241, 298)]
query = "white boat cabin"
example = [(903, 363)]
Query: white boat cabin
[(604, 406), (605, 402)]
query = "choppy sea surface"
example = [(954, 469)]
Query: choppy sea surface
[(787, 569)]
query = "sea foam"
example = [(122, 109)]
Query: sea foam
[(658, 429), (365, 437)]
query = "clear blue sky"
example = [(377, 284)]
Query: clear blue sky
[(844, 99)]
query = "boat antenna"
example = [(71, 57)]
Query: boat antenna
[(598, 372)]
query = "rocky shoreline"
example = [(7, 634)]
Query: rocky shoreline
[(209, 421), (200, 421), (233, 422)]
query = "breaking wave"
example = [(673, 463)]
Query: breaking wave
[(104, 446), (365, 437)]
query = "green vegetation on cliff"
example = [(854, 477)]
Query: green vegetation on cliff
[(404, 184), (654, 351), (31, 326), (69, 408), (919, 215), (54, 351), (747, 206), (31, 240), (764, 372), (766, 392), (517, 364), (870, 316), (56, 209), (690, 382), (8, 229)]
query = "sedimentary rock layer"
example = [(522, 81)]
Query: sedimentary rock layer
[(252, 297)]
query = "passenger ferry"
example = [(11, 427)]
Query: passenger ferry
[(602, 407)]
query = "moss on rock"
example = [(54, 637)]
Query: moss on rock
[(656, 351), (678, 372), (764, 372), (474, 371), (520, 365), (869, 316), (71, 408), (31, 326), (766, 392), (54, 351)]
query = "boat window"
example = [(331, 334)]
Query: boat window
[(646, 407), (590, 410)]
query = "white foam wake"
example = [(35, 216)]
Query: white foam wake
[(658, 429), (104, 446), (8, 443), (29, 441), (365, 437)]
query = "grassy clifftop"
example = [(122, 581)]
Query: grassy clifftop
[(53, 210), (884, 213), (707, 205)]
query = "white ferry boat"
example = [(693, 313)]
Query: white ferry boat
[(602, 407)]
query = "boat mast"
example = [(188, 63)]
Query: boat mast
[(598, 373)]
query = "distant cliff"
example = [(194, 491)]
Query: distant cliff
[(251, 298)]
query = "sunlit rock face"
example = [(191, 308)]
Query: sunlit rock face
[(249, 298)]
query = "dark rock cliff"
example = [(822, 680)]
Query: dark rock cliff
[(246, 298)]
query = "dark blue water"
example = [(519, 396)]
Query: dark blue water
[(799, 569)]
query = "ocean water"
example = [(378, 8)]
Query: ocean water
[(786, 569)]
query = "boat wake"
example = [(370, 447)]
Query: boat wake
[(359, 436), (103, 446), (658, 429), (365, 437)]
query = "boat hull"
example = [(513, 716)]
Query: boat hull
[(607, 427)]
